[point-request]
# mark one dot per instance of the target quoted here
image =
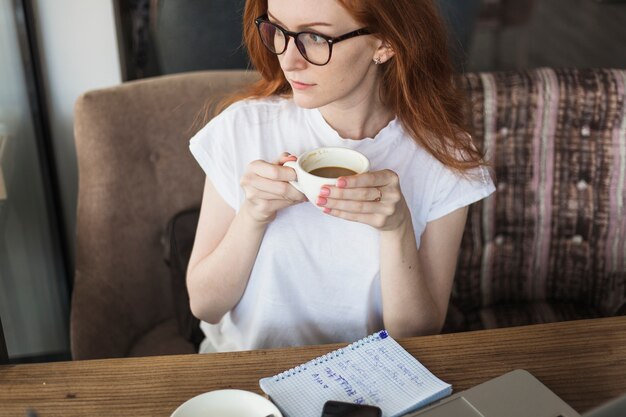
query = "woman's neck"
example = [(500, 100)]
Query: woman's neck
[(358, 119)]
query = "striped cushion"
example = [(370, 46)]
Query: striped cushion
[(508, 315), (554, 233)]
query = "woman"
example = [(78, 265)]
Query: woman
[(270, 270)]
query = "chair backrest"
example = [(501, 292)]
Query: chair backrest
[(135, 174), (555, 230)]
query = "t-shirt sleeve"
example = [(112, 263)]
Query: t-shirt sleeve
[(455, 191), (213, 148)]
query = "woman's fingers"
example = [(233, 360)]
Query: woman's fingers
[(276, 188), (286, 156), (260, 187), (355, 194), (264, 180), (369, 179), (272, 171), (379, 186), (373, 219), (365, 207), (373, 198), (271, 205), (371, 186), (267, 189)]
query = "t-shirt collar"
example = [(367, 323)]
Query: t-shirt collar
[(317, 121)]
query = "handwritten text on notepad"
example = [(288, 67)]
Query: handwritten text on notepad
[(374, 370), (353, 378)]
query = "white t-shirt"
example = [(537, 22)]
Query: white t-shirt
[(316, 278)]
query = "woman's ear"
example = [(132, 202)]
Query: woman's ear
[(383, 53)]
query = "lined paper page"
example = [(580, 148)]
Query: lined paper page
[(375, 371)]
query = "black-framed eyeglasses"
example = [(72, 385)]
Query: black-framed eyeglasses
[(314, 47)]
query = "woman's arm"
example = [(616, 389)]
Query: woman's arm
[(415, 285), (226, 244), (223, 253)]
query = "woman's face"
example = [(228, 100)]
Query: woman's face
[(350, 76)]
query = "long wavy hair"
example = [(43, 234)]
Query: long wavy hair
[(418, 82)]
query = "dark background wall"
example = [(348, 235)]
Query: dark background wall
[(169, 36)]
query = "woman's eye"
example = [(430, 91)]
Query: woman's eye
[(314, 38)]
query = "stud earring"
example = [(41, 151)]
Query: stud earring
[(377, 60)]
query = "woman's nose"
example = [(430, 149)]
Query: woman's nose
[(292, 59)]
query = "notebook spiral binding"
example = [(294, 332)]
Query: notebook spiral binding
[(331, 355)]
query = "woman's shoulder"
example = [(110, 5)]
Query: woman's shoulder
[(246, 116), (257, 107)]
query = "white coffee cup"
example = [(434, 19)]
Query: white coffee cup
[(326, 157), (227, 403)]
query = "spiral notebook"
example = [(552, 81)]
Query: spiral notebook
[(375, 370)]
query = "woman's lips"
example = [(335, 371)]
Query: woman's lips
[(299, 85)]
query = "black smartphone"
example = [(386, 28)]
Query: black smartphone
[(341, 409)]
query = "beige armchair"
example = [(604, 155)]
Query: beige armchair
[(549, 245), (135, 174)]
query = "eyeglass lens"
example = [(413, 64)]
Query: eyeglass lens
[(313, 47)]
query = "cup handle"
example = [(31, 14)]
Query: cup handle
[(294, 166)]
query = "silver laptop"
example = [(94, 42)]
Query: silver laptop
[(614, 408), (515, 394)]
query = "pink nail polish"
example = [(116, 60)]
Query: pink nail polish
[(326, 210), (321, 201), (341, 183), (324, 191)]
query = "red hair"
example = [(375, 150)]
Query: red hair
[(417, 82)]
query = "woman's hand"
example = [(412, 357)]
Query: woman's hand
[(267, 189), (372, 198)]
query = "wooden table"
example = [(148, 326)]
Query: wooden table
[(584, 362)]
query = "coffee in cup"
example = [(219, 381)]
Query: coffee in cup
[(323, 166), (332, 172)]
